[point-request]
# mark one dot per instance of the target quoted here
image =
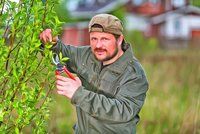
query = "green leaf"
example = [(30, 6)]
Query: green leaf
[(15, 104), (16, 130), (48, 46), (15, 72), (1, 114), (37, 45), (60, 55), (65, 59)]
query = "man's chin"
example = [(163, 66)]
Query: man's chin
[(99, 58)]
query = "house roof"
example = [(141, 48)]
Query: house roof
[(188, 9), (85, 10)]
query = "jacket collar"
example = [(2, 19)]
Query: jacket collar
[(120, 64)]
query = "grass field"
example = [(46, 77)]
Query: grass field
[(172, 105), (173, 101)]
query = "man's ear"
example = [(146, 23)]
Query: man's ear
[(120, 40)]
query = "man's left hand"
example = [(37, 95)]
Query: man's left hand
[(66, 86)]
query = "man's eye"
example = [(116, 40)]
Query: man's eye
[(93, 39), (104, 38)]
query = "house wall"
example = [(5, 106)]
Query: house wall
[(145, 7), (176, 26), (135, 22), (76, 34), (196, 33), (194, 24), (180, 26), (150, 8)]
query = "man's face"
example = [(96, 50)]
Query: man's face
[(104, 45)]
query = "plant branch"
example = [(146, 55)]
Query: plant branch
[(2, 7), (44, 15)]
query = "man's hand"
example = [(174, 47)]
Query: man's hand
[(46, 36), (66, 86)]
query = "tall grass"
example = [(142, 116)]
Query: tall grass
[(173, 100), (172, 105)]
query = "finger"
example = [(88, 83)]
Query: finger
[(77, 79), (48, 30), (61, 83), (49, 37), (62, 78), (54, 39), (44, 38), (60, 92), (48, 34), (58, 87)]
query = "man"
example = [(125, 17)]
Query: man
[(111, 86)]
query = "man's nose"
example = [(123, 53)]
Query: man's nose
[(99, 44)]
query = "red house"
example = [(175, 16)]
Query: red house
[(77, 33), (166, 20)]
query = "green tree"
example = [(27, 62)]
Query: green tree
[(195, 2), (26, 74)]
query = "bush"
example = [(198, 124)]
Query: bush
[(26, 77)]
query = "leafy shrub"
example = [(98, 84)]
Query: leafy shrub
[(26, 74)]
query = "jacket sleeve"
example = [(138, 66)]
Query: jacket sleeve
[(72, 52), (124, 107)]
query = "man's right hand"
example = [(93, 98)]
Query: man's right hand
[(46, 36)]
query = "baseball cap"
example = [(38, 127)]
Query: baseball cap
[(109, 24)]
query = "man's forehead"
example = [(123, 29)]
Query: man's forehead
[(101, 35)]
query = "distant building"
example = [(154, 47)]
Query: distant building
[(77, 33), (183, 23), (178, 27), (171, 21)]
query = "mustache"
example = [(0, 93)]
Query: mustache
[(99, 49)]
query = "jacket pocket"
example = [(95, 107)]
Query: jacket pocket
[(88, 78), (109, 85)]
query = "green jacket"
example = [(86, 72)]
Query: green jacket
[(110, 98)]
